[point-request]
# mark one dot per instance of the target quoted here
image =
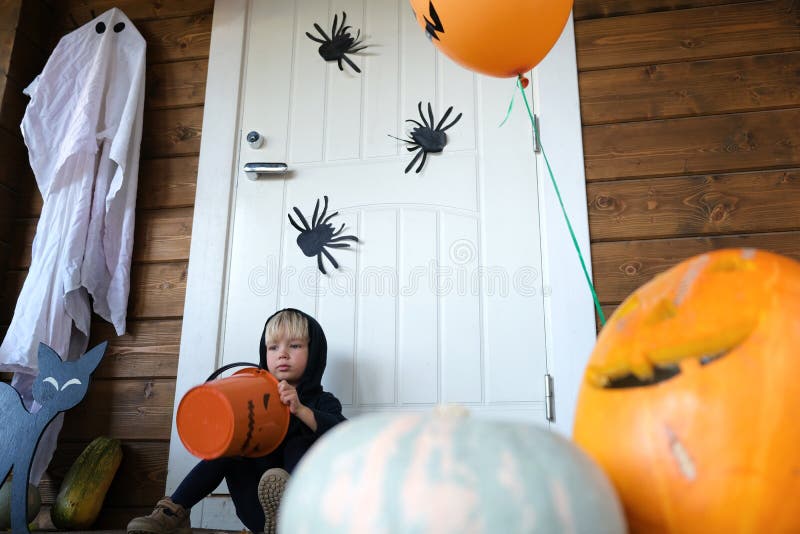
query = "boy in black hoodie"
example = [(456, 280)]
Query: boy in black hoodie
[(293, 348)]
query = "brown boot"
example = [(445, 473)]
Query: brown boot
[(166, 518), (270, 491)]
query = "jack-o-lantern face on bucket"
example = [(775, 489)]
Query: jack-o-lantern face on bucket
[(496, 38), (691, 396)]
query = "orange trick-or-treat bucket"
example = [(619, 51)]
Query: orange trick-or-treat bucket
[(241, 415)]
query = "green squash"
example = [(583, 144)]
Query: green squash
[(34, 504), (447, 473), (84, 488)]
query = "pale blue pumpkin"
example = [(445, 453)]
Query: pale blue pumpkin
[(447, 473)]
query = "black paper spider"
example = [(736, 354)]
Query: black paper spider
[(425, 138), (313, 239), (342, 43)]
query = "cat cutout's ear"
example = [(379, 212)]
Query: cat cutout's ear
[(89, 361), (49, 360)]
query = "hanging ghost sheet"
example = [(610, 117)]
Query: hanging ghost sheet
[(83, 128)]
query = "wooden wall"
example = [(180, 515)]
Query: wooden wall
[(691, 131), (131, 397), (9, 18), (24, 43)]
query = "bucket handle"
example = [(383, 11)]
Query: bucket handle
[(224, 368)]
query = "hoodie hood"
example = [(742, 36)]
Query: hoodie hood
[(310, 385)]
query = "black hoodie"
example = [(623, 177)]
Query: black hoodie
[(327, 408)]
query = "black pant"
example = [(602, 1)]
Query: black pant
[(242, 475)]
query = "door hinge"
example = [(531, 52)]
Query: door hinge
[(549, 398), (536, 147)]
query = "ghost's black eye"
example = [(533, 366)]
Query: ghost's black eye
[(101, 27), (119, 26)]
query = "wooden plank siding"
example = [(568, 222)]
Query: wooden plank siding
[(690, 111), (157, 290), (14, 158), (693, 145), (81, 11), (132, 394), (625, 265), (163, 183), (696, 88), (128, 409), (761, 201), (588, 9), (11, 154), (161, 235), (131, 485), (730, 30)]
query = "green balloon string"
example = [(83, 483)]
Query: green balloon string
[(558, 194)]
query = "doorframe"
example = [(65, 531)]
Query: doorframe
[(569, 312)]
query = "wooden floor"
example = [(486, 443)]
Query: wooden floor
[(45, 524)]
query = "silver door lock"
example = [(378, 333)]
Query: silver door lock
[(254, 139)]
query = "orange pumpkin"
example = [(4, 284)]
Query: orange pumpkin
[(691, 397)]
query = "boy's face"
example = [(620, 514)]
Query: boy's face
[(287, 358)]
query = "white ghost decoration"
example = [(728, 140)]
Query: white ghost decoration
[(83, 130)]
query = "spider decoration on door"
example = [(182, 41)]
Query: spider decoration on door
[(341, 43), (425, 139), (314, 239)]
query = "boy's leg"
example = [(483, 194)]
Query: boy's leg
[(171, 515), (274, 480), (293, 451), (201, 481), (242, 477)]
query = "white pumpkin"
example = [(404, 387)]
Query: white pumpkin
[(447, 473)]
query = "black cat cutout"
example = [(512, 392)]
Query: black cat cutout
[(314, 239), (59, 386)]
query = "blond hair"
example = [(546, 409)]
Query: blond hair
[(287, 324)]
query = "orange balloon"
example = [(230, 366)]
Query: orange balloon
[(502, 38)]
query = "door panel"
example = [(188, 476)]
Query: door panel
[(376, 357), (457, 248), (470, 219), (417, 320), (424, 309)]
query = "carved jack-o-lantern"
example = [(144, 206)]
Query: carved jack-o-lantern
[(691, 397)]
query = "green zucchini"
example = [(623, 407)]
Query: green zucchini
[(84, 488)]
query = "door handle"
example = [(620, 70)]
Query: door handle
[(253, 170)]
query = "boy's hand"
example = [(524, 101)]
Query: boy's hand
[(289, 396)]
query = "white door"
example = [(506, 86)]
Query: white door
[(443, 298), (426, 308)]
